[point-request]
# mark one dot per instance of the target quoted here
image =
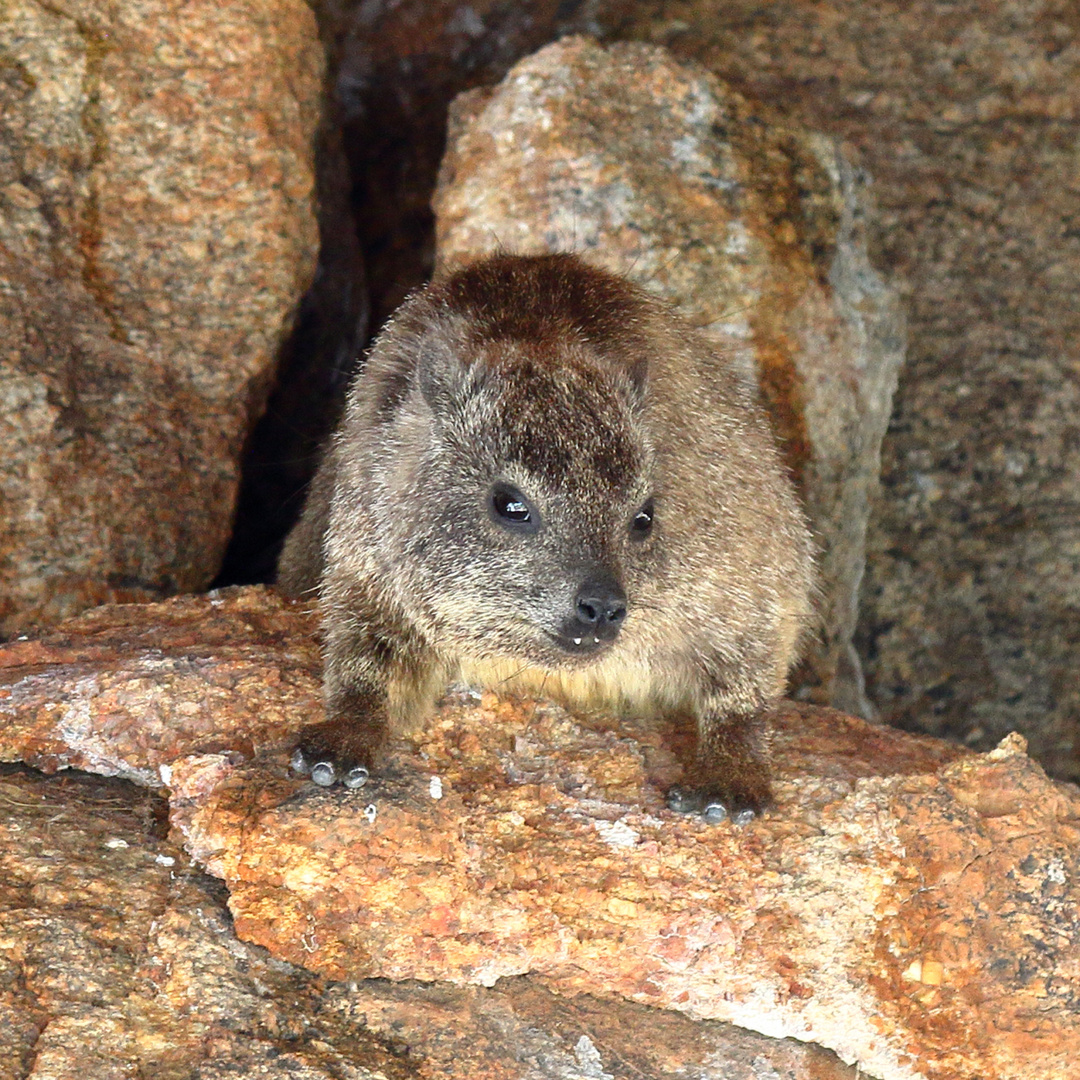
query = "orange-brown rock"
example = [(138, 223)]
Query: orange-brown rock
[(117, 956), (123, 690), (751, 226), (520, 1030), (118, 959), (880, 910), (156, 233), (910, 905)]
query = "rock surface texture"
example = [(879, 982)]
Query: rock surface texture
[(117, 957), (156, 232), (752, 228), (965, 113), (124, 690), (912, 906)]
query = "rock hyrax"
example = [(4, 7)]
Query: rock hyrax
[(546, 479)]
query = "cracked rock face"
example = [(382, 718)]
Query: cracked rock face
[(117, 957), (752, 227), (125, 690), (875, 911), (156, 231), (902, 900)]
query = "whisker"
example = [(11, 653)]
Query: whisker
[(667, 265), (628, 270), (724, 315), (513, 675), (646, 606)]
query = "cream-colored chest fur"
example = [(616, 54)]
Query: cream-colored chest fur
[(614, 684)]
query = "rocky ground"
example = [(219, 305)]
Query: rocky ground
[(903, 900)]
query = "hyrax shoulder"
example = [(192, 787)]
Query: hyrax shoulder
[(544, 474)]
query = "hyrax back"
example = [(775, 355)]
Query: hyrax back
[(545, 477)]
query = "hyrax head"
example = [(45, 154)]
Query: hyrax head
[(522, 447)]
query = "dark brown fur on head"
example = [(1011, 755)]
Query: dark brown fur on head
[(544, 473)]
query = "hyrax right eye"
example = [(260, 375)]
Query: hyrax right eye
[(510, 509)]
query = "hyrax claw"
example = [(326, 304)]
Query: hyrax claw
[(323, 774)]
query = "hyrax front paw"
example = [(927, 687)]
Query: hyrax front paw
[(328, 756), (736, 798), (727, 781), (714, 806)]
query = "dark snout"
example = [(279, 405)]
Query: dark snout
[(599, 611)]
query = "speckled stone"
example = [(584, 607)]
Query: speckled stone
[(892, 908), (520, 1030), (156, 233), (753, 228), (118, 959), (124, 689)]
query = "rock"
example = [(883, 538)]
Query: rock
[(156, 232), (965, 114), (752, 227), (117, 957), (124, 690), (317, 361), (904, 898), (520, 1029), (876, 912)]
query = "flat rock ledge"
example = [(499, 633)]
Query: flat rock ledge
[(907, 904)]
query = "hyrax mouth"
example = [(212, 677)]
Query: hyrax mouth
[(581, 644)]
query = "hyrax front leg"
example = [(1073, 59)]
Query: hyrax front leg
[(727, 778), (369, 666), (346, 746)]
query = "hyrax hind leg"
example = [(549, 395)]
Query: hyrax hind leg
[(727, 778)]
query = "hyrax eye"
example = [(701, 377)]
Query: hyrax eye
[(641, 525), (511, 510)]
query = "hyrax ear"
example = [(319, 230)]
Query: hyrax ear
[(438, 371), (445, 375), (636, 373)]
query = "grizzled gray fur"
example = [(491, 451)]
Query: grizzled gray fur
[(546, 478)]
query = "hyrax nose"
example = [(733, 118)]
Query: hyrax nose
[(599, 609)]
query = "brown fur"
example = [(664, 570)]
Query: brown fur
[(590, 398)]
